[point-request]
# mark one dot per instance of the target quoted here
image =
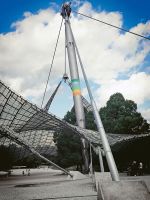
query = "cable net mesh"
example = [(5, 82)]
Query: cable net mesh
[(35, 126), (32, 124)]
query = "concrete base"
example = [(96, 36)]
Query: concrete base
[(123, 190), (76, 176), (147, 183), (101, 177)]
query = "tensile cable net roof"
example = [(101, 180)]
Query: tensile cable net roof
[(22, 122)]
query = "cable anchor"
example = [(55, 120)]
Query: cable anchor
[(66, 10)]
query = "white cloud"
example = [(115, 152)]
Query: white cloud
[(27, 51), (134, 88), (146, 114)]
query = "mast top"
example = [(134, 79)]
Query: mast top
[(66, 10)]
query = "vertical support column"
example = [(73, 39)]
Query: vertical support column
[(109, 156), (79, 110), (100, 159), (91, 160)]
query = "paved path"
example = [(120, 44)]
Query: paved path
[(145, 178), (45, 186), (50, 184)]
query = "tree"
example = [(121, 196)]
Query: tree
[(121, 116), (68, 144), (68, 149), (70, 117), (6, 158), (90, 121), (89, 118), (29, 161), (118, 116)]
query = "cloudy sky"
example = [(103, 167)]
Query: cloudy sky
[(114, 61)]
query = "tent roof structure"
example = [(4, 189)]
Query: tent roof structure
[(34, 125)]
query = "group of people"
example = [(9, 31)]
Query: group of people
[(26, 172), (135, 169)]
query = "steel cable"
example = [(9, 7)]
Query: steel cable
[(122, 29), (52, 63)]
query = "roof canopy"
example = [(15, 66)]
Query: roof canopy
[(36, 126)]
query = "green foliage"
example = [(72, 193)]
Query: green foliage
[(118, 116), (68, 144), (9, 157), (70, 117), (90, 122), (68, 149), (30, 161), (6, 158), (121, 116)]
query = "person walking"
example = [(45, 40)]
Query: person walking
[(28, 172), (134, 168), (140, 169)]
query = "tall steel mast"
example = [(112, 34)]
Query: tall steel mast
[(75, 81), (72, 48), (109, 156)]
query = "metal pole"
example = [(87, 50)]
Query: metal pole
[(108, 153), (91, 160), (79, 110), (100, 159)]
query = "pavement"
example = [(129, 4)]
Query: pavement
[(45, 184), (145, 179), (128, 188)]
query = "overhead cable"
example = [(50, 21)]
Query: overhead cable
[(106, 23), (52, 62)]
